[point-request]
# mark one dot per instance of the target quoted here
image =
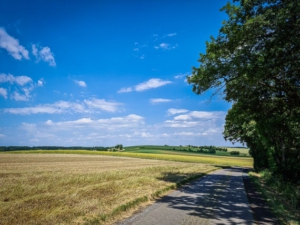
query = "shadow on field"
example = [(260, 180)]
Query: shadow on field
[(219, 197)]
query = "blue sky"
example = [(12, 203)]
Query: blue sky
[(100, 73)]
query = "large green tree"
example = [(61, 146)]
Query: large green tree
[(255, 62)]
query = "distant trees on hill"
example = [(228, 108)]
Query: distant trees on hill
[(18, 148)]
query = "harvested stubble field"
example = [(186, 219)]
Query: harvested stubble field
[(76, 189)]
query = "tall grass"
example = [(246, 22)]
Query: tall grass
[(283, 197)]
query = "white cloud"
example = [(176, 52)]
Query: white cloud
[(126, 129), (35, 51), (20, 80), (145, 134), (124, 90), (159, 100), (102, 104), (2, 135), (81, 83), (207, 115), (24, 88), (182, 75), (152, 83), (171, 35), (43, 54), (165, 46), (49, 122), (113, 123), (183, 117), (3, 93), (87, 106), (56, 108), (40, 83), (19, 97), (12, 46), (195, 119), (173, 111), (181, 124)]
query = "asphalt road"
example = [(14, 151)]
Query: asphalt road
[(218, 198)]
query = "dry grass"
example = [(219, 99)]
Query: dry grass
[(76, 189)]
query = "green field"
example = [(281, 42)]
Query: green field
[(160, 154), (162, 150)]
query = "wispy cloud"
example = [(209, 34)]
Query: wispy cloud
[(157, 36), (20, 80), (102, 104), (182, 75), (170, 35), (152, 83), (3, 93), (125, 90), (173, 111), (40, 83), (19, 97), (23, 84), (81, 83), (159, 100), (12, 45), (87, 106), (110, 124), (44, 54), (195, 118), (165, 46)]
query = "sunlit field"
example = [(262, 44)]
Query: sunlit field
[(78, 189), (241, 150), (162, 155)]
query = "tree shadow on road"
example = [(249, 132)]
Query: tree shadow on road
[(220, 198)]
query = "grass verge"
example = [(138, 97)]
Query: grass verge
[(283, 198)]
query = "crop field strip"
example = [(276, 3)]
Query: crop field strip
[(163, 155), (72, 188)]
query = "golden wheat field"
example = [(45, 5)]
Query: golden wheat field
[(78, 189)]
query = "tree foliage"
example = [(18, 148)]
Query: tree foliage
[(255, 62)]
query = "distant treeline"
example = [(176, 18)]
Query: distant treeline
[(18, 148), (191, 148)]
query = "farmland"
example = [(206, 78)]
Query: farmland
[(187, 149), (72, 188), (81, 186)]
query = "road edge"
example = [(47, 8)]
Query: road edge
[(261, 211)]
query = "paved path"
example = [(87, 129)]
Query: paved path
[(218, 198)]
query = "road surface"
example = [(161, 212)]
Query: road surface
[(218, 198)]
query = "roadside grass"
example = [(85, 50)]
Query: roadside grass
[(84, 189), (162, 155), (283, 198)]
